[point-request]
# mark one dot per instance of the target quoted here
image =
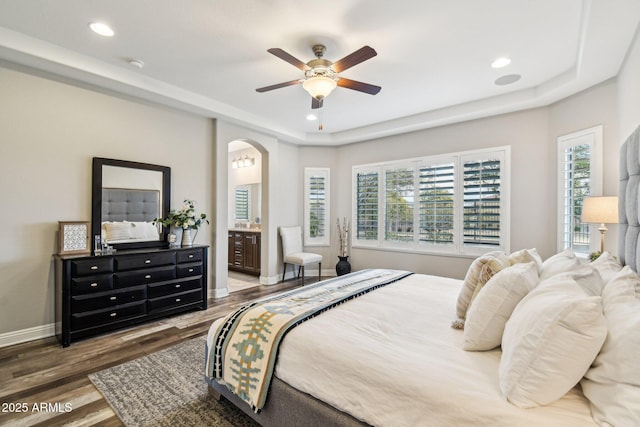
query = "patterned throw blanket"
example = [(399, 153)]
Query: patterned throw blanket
[(245, 344)]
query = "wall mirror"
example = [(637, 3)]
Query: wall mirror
[(248, 199), (126, 198)]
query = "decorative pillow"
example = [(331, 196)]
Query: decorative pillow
[(494, 304), (559, 263), (550, 341), (526, 255), (612, 385), (117, 231), (607, 265), (480, 271)]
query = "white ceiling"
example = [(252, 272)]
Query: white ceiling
[(433, 63)]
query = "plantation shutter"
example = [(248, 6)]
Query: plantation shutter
[(576, 182), (399, 203), (317, 202), (366, 206), (436, 184), (481, 197), (242, 204)]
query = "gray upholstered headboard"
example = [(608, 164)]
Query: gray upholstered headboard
[(628, 199), (120, 204)]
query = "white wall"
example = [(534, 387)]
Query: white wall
[(49, 132), (629, 91)]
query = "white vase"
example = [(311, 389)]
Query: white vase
[(187, 239)]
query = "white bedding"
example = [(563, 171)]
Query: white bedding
[(390, 358)]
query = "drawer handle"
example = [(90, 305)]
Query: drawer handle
[(147, 261), (94, 267), (148, 276), (190, 255), (113, 298), (94, 285), (113, 314), (177, 286), (191, 270), (177, 299)]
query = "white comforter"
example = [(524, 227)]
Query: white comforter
[(390, 358)]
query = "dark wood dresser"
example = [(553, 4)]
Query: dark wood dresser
[(96, 294)]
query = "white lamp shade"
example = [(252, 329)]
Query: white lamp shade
[(319, 87), (600, 210)]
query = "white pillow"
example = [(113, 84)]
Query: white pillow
[(526, 255), (494, 304), (587, 278), (550, 341), (142, 230), (607, 265), (612, 385), (559, 263), (117, 231)]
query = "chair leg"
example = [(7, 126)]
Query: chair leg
[(303, 274), (284, 270), (319, 271)]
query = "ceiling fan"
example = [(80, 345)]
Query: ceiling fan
[(321, 76)]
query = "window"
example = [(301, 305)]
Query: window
[(579, 175), (455, 204), (316, 208), (242, 204)]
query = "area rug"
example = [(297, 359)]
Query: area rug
[(167, 388)]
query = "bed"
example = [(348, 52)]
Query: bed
[(389, 356)]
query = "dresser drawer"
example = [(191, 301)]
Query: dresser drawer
[(91, 266), (187, 270), (91, 284), (132, 262), (148, 275), (164, 289), (107, 299), (106, 316), (175, 300), (189, 255)]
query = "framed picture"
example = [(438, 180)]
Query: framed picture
[(74, 237)]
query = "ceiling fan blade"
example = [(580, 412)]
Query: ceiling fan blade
[(359, 86), (355, 58), (279, 85), (289, 58), (316, 103)]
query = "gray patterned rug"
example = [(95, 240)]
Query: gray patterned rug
[(166, 388)]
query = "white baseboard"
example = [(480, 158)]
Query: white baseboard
[(29, 334), (219, 293)]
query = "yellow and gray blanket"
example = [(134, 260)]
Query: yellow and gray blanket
[(243, 350)]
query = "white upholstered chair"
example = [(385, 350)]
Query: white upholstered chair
[(292, 251)]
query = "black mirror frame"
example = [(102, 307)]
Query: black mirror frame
[(96, 199)]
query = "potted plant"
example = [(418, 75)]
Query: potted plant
[(185, 219), (343, 266)]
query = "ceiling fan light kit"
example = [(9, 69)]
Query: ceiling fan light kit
[(321, 75)]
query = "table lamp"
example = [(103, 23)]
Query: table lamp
[(600, 210)]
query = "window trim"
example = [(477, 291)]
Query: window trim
[(595, 134), (326, 239), (457, 248)]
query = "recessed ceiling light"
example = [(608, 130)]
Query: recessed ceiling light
[(311, 117), (137, 63), (508, 79), (101, 28), (501, 62)]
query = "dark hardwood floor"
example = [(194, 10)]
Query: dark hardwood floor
[(42, 372)]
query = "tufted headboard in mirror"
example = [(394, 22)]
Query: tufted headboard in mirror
[(628, 199), (124, 204)]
